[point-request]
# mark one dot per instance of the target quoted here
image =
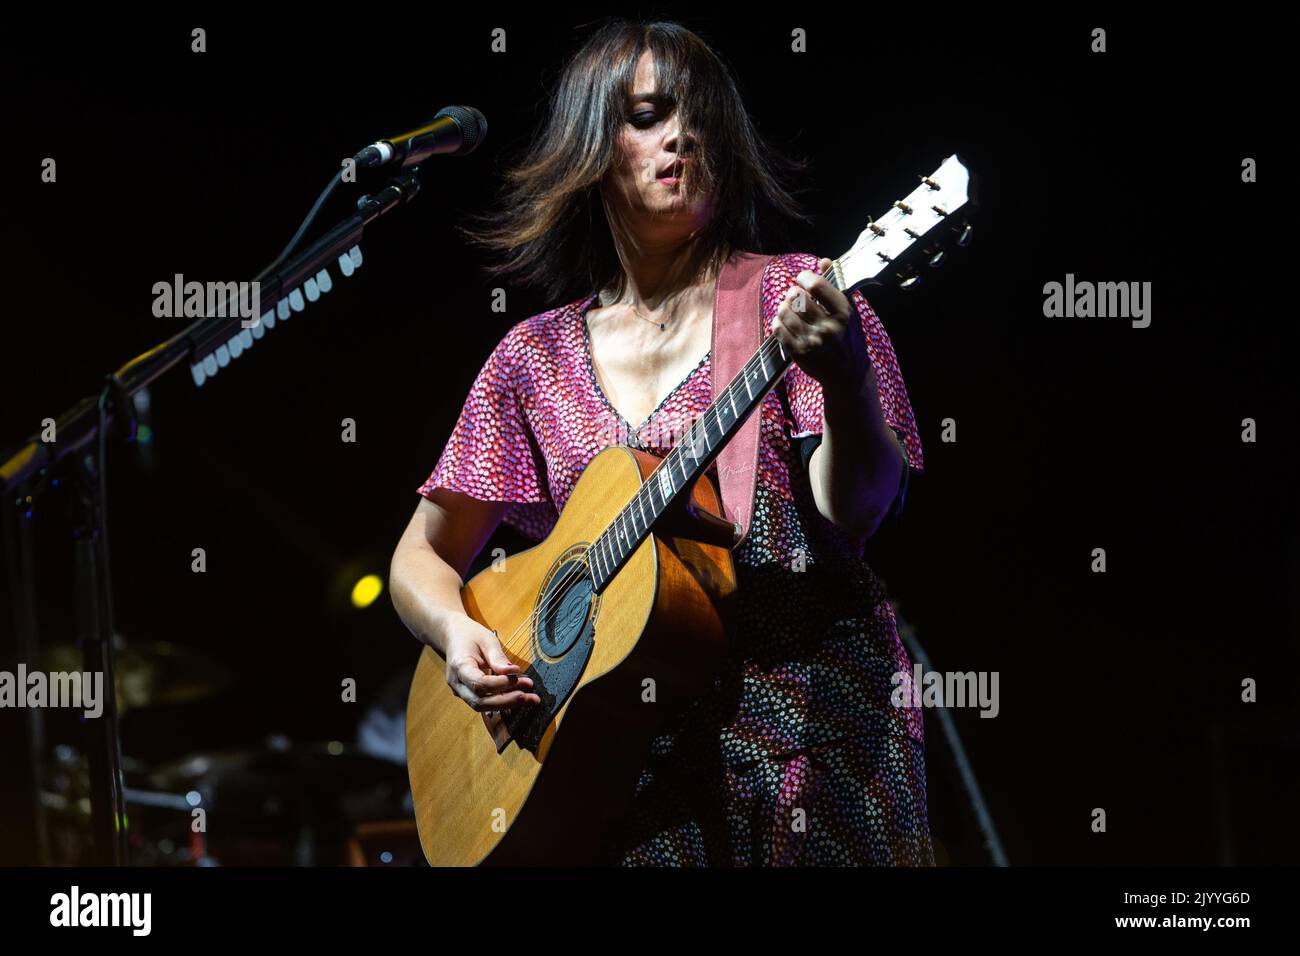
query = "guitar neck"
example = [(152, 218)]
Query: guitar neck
[(921, 223), (691, 456)]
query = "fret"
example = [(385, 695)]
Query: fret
[(716, 410), (731, 395), (596, 548), (693, 440), (651, 484), (762, 361), (717, 423), (645, 523)]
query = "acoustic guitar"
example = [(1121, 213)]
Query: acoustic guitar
[(623, 608)]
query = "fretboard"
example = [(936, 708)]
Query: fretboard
[(689, 458)]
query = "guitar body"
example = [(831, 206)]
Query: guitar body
[(550, 793)]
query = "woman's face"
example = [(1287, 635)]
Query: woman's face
[(652, 187)]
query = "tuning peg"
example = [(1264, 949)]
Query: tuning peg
[(909, 282), (963, 239), (937, 256)]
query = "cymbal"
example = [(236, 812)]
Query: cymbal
[(150, 672), (268, 780)]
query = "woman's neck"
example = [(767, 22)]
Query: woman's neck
[(660, 276)]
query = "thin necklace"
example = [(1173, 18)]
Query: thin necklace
[(662, 325), (637, 312)]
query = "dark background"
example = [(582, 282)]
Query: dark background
[(1072, 434)]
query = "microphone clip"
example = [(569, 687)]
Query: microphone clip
[(398, 191)]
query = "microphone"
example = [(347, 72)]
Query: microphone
[(455, 131)]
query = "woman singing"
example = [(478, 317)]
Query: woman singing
[(645, 176)]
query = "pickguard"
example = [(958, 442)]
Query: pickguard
[(563, 631)]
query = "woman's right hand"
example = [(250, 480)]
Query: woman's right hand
[(478, 671)]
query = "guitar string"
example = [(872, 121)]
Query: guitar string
[(573, 575), (513, 642), (518, 641), (519, 638)]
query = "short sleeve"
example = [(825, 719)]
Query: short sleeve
[(490, 454), (805, 393)]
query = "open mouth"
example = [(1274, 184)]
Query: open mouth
[(672, 174)]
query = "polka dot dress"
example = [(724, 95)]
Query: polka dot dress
[(796, 756)]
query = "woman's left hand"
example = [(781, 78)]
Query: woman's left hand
[(820, 330)]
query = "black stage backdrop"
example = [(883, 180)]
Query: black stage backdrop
[(1119, 690)]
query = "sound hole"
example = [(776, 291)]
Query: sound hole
[(565, 609)]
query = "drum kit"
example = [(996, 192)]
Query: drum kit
[(281, 802)]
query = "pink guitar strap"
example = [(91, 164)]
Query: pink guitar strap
[(737, 333)]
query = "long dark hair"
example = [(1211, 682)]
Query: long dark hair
[(548, 228)]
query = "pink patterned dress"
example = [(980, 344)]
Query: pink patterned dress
[(796, 755)]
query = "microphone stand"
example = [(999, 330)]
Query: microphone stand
[(983, 818), (30, 469)]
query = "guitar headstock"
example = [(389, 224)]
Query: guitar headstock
[(917, 230)]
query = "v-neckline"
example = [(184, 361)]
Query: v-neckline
[(595, 381)]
